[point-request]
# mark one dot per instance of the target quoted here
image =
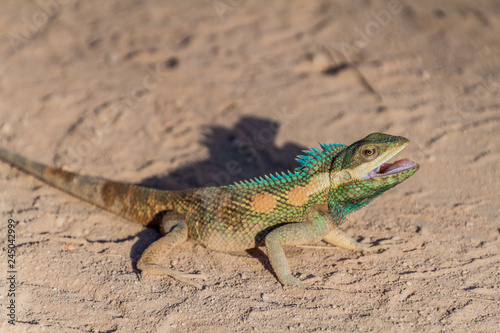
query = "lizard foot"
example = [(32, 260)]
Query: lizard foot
[(187, 278), (308, 281), (305, 283)]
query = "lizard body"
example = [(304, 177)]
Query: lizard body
[(299, 207)]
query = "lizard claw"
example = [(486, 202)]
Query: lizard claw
[(305, 283)]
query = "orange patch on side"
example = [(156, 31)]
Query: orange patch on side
[(263, 202), (298, 196)]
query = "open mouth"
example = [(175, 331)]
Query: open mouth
[(388, 169)]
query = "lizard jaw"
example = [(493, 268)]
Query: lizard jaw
[(389, 169)]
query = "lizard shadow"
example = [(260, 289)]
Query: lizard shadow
[(244, 151)]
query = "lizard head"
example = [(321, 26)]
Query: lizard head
[(361, 172)]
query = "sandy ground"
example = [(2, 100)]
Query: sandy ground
[(167, 93)]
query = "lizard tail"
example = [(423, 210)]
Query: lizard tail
[(136, 203)]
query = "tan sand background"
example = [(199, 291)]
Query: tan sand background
[(175, 94)]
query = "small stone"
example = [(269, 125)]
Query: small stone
[(60, 221), (112, 58), (405, 294), (320, 61), (6, 129)]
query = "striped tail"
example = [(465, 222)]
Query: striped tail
[(136, 203)]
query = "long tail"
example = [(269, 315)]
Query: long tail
[(136, 203)]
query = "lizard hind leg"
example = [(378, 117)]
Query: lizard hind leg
[(174, 232)]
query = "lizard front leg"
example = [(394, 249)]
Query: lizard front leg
[(315, 228), (174, 230)]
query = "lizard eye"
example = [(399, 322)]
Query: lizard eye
[(369, 153)]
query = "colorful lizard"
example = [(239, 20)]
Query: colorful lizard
[(299, 207)]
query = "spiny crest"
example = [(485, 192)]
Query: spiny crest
[(274, 178), (317, 159)]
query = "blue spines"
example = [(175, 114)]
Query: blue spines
[(271, 178), (315, 160), (302, 159), (318, 159), (331, 146), (315, 150)]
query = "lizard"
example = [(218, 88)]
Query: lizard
[(297, 207)]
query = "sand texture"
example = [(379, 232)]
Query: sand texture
[(177, 94)]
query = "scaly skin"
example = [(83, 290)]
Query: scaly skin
[(300, 207)]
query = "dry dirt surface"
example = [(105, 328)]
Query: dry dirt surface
[(174, 94)]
